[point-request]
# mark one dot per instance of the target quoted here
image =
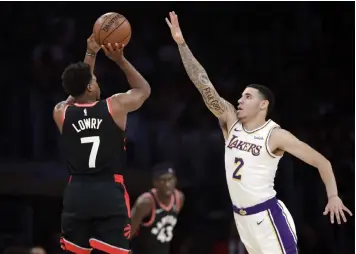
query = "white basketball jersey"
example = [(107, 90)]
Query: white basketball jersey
[(250, 165)]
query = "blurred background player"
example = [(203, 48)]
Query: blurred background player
[(254, 144), (96, 206), (155, 213)]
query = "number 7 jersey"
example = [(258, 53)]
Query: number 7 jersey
[(91, 142), (250, 165)]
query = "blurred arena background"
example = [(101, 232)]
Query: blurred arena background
[(304, 51)]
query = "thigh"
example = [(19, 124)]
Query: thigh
[(112, 234), (75, 234), (246, 234), (275, 231)]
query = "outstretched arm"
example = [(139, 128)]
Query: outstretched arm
[(197, 74), (286, 141)]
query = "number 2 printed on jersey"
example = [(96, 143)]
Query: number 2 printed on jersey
[(239, 163)]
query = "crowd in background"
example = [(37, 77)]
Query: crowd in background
[(303, 51)]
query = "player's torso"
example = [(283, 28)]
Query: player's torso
[(250, 167), (156, 237), (91, 142)]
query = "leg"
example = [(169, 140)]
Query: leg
[(75, 235), (246, 235), (275, 231), (112, 234)]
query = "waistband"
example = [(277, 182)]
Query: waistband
[(96, 178), (256, 208)]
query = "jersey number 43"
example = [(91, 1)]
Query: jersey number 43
[(239, 163), (95, 140)]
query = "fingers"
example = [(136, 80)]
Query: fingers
[(332, 217), (173, 22), (343, 216), (337, 214), (168, 23), (326, 211), (176, 22), (106, 51), (109, 48), (347, 210)]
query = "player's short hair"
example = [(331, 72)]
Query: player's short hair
[(75, 78), (266, 95), (161, 169)]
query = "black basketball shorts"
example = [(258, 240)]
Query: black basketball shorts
[(96, 215)]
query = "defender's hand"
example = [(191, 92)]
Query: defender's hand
[(336, 208), (92, 46), (115, 52), (173, 24)]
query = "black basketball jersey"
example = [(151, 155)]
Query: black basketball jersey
[(91, 142), (156, 231)]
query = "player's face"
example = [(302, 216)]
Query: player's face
[(250, 103), (95, 89), (165, 184)]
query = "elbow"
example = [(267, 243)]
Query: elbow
[(147, 91), (324, 164)]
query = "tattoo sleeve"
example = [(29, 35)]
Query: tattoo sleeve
[(197, 74)]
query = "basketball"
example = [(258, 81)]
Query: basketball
[(112, 28)]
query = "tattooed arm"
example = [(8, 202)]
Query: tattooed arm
[(222, 109), (197, 74)]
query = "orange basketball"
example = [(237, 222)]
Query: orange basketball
[(112, 28)]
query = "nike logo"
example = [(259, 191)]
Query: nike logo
[(258, 223)]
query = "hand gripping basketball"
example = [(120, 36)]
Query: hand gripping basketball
[(115, 53), (173, 24), (92, 46)]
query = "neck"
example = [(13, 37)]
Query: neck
[(253, 124), (163, 198), (84, 100)]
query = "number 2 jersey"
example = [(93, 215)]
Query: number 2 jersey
[(156, 231), (250, 164), (91, 142)]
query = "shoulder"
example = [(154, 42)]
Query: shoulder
[(59, 113), (282, 138), (180, 194), (60, 106), (145, 199), (180, 198)]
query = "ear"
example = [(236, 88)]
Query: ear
[(264, 104), (90, 87)]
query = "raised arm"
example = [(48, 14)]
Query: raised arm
[(89, 58), (283, 140), (140, 88), (197, 74), (92, 49)]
